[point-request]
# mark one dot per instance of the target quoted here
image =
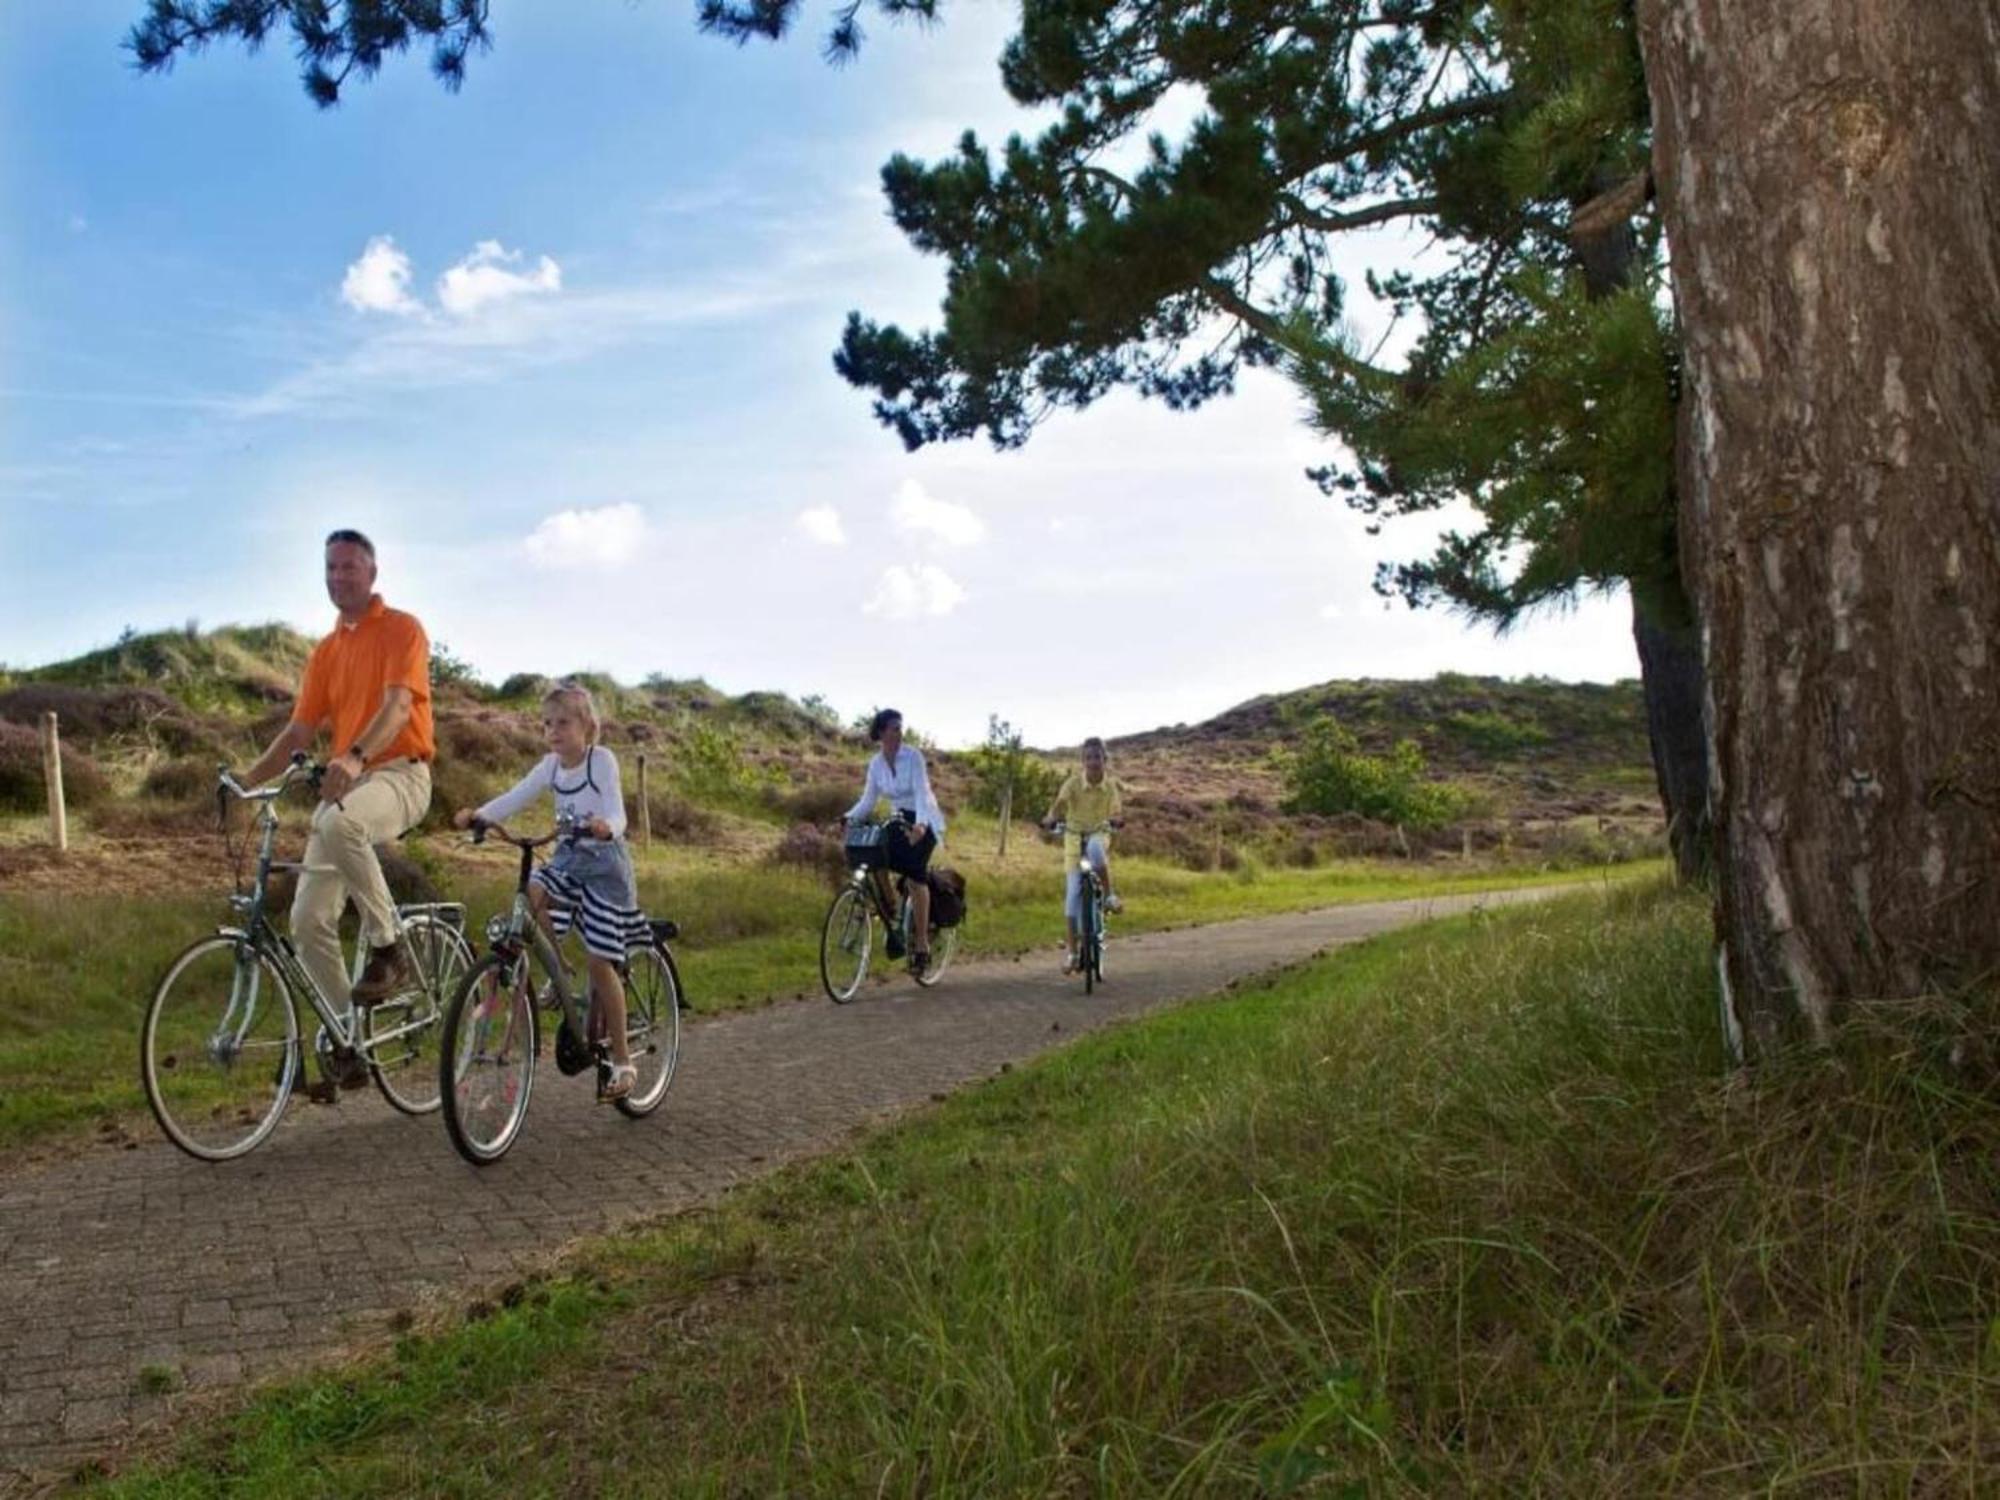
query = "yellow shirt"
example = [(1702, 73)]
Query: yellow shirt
[(1087, 808)]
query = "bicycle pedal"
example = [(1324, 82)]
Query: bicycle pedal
[(323, 1091)]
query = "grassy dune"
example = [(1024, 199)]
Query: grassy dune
[(1472, 1208)]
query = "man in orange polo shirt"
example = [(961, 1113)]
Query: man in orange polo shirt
[(369, 683)]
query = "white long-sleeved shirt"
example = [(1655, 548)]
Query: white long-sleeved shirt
[(586, 790), (906, 784)]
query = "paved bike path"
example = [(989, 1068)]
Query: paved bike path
[(123, 1267)]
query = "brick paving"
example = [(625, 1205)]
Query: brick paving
[(137, 1278)]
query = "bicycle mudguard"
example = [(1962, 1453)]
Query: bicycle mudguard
[(664, 931)]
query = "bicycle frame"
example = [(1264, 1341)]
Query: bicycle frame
[(518, 933), (864, 876), (343, 1026)]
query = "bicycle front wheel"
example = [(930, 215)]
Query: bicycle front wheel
[(844, 943), (652, 1027), (219, 1050), (486, 1058), (399, 1036), (944, 945), (1092, 922)]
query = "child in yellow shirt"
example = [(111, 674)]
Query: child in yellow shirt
[(1091, 803)]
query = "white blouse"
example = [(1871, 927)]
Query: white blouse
[(586, 790), (906, 784)]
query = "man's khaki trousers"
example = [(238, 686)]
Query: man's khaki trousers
[(340, 862)]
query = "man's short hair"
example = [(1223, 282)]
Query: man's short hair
[(1094, 743), (353, 538)]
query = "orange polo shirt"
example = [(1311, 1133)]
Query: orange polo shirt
[(350, 670)]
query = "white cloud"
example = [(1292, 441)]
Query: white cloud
[(909, 593), (1331, 611), (822, 524), (484, 278), (605, 537), (380, 280), (916, 513)]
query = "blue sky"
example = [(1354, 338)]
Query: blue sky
[(561, 344)]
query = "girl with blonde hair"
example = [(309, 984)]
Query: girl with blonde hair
[(589, 881)]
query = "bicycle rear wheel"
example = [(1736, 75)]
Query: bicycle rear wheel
[(944, 947), (486, 1058), (652, 1027), (844, 943), (219, 1049), (399, 1036)]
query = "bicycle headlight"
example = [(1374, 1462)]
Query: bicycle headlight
[(496, 928)]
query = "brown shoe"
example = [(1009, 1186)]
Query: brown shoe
[(386, 973)]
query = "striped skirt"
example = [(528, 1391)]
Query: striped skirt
[(591, 886)]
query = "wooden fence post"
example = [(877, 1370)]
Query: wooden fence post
[(52, 775), (645, 807), (1006, 813)]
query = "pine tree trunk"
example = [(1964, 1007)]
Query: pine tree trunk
[(1829, 171), (1671, 677), (1663, 618)]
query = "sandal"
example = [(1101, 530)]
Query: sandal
[(622, 1078)]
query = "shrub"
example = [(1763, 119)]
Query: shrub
[(451, 670), (21, 786), (709, 764), (525, 685), (91, 714), (1002, 760), (490, 742), (674, 818), (808, 846), (1493, 733), (821, 802), (1329, 774), (186, 780), (455, 784)]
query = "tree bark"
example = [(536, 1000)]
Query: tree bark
[(1829, 171), (1663, 619), (1670, 675)]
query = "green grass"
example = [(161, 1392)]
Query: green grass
[(1468, 1209), (76, 972)]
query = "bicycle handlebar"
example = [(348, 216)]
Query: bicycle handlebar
[(567, 827), (1059, 828), (226, 781)]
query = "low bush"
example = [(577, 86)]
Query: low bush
[(1490, 732), (489, 741), (808, 846), (88, 715), (821, 802), (186, 780), (1329, 773), (22, 787)]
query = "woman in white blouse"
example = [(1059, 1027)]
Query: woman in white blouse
[(896, 775)]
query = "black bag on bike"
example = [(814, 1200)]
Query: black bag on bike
[(947, 898)]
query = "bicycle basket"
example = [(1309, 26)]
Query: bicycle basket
[(864, 845)]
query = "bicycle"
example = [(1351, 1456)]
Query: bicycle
[(847, 938), (1090, 902), (492, 1027), (220, 1050)]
